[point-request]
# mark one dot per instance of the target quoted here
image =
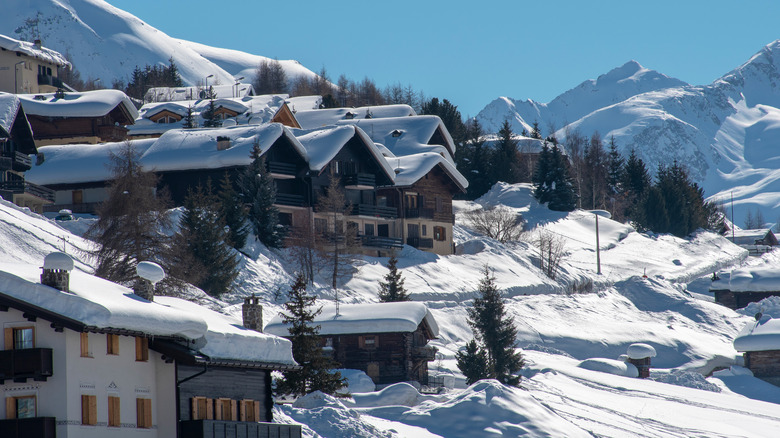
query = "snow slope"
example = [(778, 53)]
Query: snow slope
[(106, 43), (725, 132)]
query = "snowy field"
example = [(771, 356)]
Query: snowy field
[(558, 329)]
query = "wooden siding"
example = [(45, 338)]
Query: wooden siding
[(222, 382), (738, 300), (764, 364)]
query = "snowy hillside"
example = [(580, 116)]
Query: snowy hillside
[(724, 132), (106, 43)]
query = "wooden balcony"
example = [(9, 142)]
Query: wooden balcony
[(16, 161), (382, 242), (236, 429), (19, 187), (281, 170), (424, 213), (111, 133), (288, 199), (30, 363), (427, 353), (374, 211), (360, 181), (419, 242), (38, 427)]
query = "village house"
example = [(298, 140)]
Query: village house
[(177, 94), (84, 357), (757, 241), (16, 147), (387, 341), (79, 117), (29, 67), (759, 342), (742, 286), (408, 135)]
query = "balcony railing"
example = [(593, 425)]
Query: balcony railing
[(15, 160), (21, 186), (425, 213), (280, 168), (374, 211), (426, 353), (236, 429), (288, 199), (382, 242), (419, 242), (360, 180), (38, 427), (111, 133), (30, 363)]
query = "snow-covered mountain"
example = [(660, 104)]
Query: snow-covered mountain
[(106, 43), (726, 132)]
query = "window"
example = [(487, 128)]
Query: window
[(141, 349), (413, 230), (411, 200), (369, 229), (368, 342), (425, 230), (88, 410), (226, 409), (113, 411), (439, 233), (85, 345), (143, 412), (20, 407), (202, 408), (439, 205), (112, 344), (24, 337), (250, 410), (320, 225)]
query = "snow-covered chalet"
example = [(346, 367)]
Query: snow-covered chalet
[(29, 67), (742, 286)]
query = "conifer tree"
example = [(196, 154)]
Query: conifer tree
[(495, 332), (210, 117), (189, 119), (258, 191), (392, 289), (473, 362), (478, 168), (232, 212), (315, 373), (203, 235), (535, 132), (504, 163), (552, 183), (595, 175), (615, 164)]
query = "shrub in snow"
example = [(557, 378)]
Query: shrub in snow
[(687, 379), (610, 366)]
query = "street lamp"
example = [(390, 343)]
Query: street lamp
[(16, 85), (238, 82), (207, 82)]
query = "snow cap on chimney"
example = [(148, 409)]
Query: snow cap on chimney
[(56, 271), (149, 273)]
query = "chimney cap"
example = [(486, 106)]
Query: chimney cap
[(150, 271), (58, 260)]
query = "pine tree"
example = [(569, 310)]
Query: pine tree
[(129, 220), (535, 132), (473, 362), (257, 190), (595, 175), (449, 115), (189, 119), (495, 332), (562, 194), (315, 374), (504, 163), (392, 289), (232, 212), (210, 117), (615, 164), (204, 235), (478, 169), (636, 180), (542, 175)]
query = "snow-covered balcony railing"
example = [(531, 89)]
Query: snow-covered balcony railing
[(20, 187), (30, 363), (419, 242), (382, 242), (236, 429), (360, 181), (374, 211), (39, 427)]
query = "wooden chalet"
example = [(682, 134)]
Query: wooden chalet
[(756, 241), (387, 341), (759, 342), (79, 117), (743, 286), (16, 147)]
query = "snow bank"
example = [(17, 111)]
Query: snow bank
[(399, 394), (357, 381), (365, 318), (611, 366), (688, 379), (328, 417), (755, 279)]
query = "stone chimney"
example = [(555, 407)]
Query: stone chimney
[(56, 271), (38, 44), (149, 274), (252, 312), (640, 355)]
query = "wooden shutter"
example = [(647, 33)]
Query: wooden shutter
[(141, 349), (10, 407), (84, 344), (243, 411), (88, 410), (257, 410), (113, 411), (9, 339), (112, 344), (210, 409), (143, 410), (233, 410), (148, 412)]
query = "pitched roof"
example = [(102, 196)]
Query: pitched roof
[(411, 168), (171, 94), (314, 118), (32, 50), (749, 279), (365, 318), (96, 103), (760, 335), (407, 135), (749, 237)]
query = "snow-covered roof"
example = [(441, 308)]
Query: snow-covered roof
[(760, 335), (9, 108), (32, 50), (322, 145), (303, 103), (227, 338), (98, 303), (610, 366), (170, 94), (750, 279), (94, 103), (407, 135), (365, 318), (748, 237), (314, 118), (78, 163), (411, 168), (184, 149)]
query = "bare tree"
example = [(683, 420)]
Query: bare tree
[(337, 240), (303, 250), (498, 222), (550, 247)]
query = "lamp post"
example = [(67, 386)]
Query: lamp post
[(238, 82), (16, 85), (206, 80)]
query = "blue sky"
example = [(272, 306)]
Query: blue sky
[(474, 52)]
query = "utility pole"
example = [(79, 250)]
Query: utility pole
[(732, 217), (598, 253)]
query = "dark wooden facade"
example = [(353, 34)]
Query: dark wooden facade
[(385, 357), (738, 300), (107, 128), (764, 364)]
